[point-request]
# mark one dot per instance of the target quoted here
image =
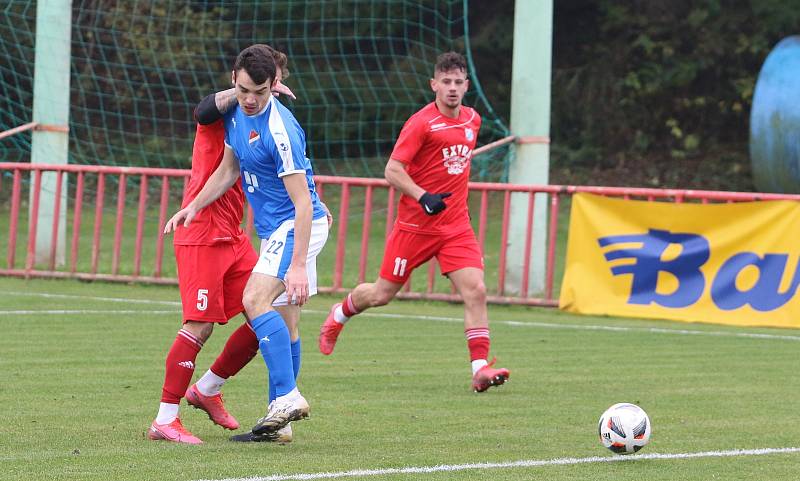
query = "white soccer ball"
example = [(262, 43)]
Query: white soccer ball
[(624, 428)]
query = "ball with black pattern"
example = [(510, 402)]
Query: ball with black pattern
[(624, 428)]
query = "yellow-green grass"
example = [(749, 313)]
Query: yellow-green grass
[(82, 380)]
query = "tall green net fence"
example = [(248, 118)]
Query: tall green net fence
[(358, 68)]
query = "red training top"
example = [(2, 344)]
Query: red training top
[(437, 151), (219, 221)]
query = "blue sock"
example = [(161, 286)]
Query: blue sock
[(274, 343), (295, 349), (272, 394)]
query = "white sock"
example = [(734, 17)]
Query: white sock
[(338, 315), (290, 396), (477, 364), (210, 384), (167, 413)]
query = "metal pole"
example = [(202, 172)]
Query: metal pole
[(530, 123), (51, 108)]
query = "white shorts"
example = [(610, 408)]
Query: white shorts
[(276, 254)]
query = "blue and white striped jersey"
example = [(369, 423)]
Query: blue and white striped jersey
[(270, 145)]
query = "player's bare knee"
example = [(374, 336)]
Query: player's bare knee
[(247, 302), (291, 325), (381, 298), (251, 300), (475, 293), (201, 330)]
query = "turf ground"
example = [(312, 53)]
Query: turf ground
[(82, 366)]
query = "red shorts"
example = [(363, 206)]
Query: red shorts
[(212, 279), (405, 251)]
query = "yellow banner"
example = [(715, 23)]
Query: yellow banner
[(722, 263)]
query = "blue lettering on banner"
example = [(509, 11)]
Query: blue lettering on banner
[(764, 295), (647, 263)]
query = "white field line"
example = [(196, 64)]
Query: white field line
[(546, 325), (589, 327), (92, 298), (81, 311), (528, 463)]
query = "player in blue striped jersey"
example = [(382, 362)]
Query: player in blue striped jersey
[(265, 145)]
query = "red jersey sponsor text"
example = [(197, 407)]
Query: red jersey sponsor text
[(437, 152)]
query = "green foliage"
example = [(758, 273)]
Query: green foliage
[(359, 69), (637, 85), (672, 77), (640, 85), (16, 77), (138, 68)]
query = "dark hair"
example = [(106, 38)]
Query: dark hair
[(280, 58), (281, 61), (450, 61), (257, 60)]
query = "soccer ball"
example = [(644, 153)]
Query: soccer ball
[(624, 428)]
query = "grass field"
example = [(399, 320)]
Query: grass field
[(82, 368)]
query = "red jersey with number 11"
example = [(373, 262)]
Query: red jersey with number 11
[(219, 221), (437, 151)]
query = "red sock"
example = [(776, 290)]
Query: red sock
[(238, 351), (180, 366), (478, 343), (348, 308)]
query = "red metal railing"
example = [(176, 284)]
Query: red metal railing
[(159, 194), (79, 174)]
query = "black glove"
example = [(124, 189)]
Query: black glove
[(432, 204)]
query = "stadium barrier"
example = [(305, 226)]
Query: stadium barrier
[(491, 202)]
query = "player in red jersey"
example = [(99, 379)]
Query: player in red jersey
[(431, 163), (215, 260)]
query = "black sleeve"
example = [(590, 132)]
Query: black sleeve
[(206, 111)]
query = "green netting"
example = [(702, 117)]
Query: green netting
[(359, 69)]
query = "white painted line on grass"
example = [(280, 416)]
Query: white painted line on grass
[(547, 325), (93, 298), (528, 463), (655, 330), (81, 311), (590, 327)]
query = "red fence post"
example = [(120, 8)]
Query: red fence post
[(341, 236), (501, 274), (482, 220), (390, 212), (14, 220), (162, 220), (407, 285), (432, 275), (551, 245), (365, 227), (33, 220), (140, 213), (123, 181), (98, 220), (56, 219), (76, 223), (526, 262)]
